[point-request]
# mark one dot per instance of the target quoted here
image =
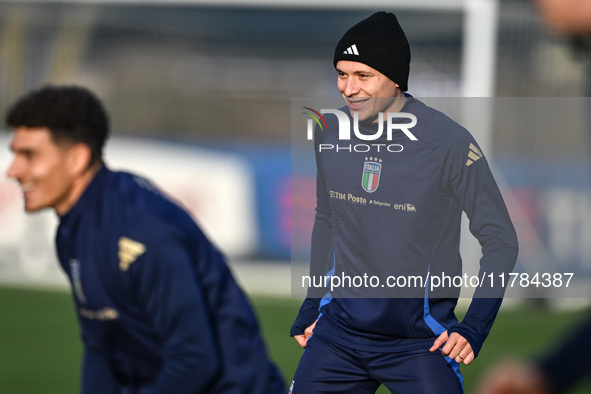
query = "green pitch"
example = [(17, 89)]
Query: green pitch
[(40, 349)]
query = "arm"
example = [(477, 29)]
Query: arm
[(474, 187), (321, 244), (97, 377), (172, 296)]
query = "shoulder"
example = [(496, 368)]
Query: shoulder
[(152, 228), (138, 193), (443, 135), (434, 126), (138, 209)]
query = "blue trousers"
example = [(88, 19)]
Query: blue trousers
[(328, 368)]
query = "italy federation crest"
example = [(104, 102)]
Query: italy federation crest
[(372, 169)]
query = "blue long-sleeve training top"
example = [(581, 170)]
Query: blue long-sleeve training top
[(391, 208), (158, 308)]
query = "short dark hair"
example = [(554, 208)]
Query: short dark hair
[(71, 113)]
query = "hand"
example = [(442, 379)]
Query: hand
[(456, 347), (303, 339)]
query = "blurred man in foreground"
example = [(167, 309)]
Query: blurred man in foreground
[(158, 307)]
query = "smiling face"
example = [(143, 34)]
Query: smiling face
[(367, 91), (48, 172)]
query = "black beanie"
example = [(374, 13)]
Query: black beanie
[(378, 42)]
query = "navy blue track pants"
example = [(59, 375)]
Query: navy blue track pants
[(327, 368)]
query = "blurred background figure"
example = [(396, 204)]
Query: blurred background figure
[(556, 372), (571, 18), (567, 16), (569, 361)]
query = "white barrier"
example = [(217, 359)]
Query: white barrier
[(215, 187)]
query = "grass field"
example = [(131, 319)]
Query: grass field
[(40, 349)]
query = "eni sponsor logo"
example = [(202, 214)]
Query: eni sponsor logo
[(405, 207), (129, 251), (103, 314)]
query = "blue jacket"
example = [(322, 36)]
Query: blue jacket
[(392, 208), (157, 305)]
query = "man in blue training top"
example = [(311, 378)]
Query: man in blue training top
[(157, 305), (404, 197)]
